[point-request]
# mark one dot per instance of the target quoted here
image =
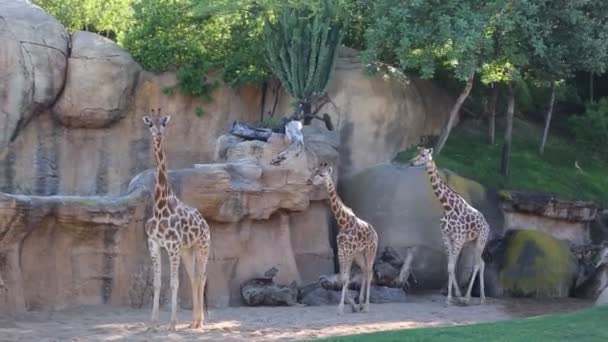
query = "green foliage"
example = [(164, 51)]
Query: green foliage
[(591, 128), (302, 46), (582, 326), (172, 35), (110, 18)]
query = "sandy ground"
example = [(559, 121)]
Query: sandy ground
[(105, 323)]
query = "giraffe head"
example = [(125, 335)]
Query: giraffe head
[(423, 156), (156, 123), (321, 175), (602, 257)]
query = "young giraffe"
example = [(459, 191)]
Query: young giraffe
[(357, 241), (461, 223), (179, 229)]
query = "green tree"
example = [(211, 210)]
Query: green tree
[(567, 36), (110, 18), (427, 35)]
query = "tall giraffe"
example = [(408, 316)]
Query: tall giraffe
[(357, 241), (179, 229), (460, 224)]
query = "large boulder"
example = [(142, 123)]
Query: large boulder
[(399, 202), (33, 62), (536, 264), (100, 83)]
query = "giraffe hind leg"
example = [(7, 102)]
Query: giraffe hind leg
[(188, 257), (369, 274)]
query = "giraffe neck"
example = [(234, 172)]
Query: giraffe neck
[(337, 206), (162, 190), (441, 190)]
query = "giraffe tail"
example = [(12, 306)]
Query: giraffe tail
[(205, 298)]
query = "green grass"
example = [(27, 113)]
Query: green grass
[(468, 154), (586, 325)]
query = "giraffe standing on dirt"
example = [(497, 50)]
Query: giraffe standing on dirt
[(179, 229), (357, 241), (461, 223)]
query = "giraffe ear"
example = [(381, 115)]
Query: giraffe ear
[(430, 150), (147, 120), (328, 170), (165, 120)]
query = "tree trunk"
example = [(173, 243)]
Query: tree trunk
[(263, 101), (506, 148), (492, 115), (445, 132), (541, 150), (591, 86), (240, 129)]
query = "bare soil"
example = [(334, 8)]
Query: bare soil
[(106, 323)]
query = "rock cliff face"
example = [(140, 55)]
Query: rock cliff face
[(57, 251), (73, 114), (75, 165)]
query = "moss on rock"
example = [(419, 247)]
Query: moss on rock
[(536, 264)]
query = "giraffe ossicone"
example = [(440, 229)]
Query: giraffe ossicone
[(461, 223), (357, 241), (180, 230)]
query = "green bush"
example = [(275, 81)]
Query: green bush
[(591, 128), (171, 35)]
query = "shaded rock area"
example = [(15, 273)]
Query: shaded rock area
[(100, 83), (592, 275), (59, 251), (535, 264), (564, 220), (399, 202)]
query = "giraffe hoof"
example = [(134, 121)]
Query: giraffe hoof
[(340, 310), (482, 301), (365, 309), (356, 309), (195, 325), (172, 327)]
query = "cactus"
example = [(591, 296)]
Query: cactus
[(302, 46)]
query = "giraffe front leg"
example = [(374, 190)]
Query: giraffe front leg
[(154, 249), (345, 278), (174, 262)]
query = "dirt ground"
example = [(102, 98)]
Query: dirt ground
[(105, 323)]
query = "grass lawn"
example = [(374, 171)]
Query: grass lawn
[(586, 325), (468, 154)]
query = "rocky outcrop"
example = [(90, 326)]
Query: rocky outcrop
[(33, 62), (399, 202), (100, 83), (57, 251), (564, 220), (96, 122)]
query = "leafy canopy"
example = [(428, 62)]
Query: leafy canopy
[(110, 18), (427, 35)]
